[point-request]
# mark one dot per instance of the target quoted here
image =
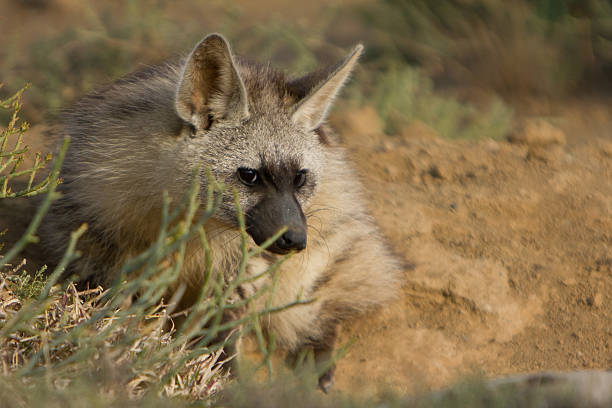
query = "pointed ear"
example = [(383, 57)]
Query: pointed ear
[(210, 88), (318, 90)]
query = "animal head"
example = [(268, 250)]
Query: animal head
[(258, 133)]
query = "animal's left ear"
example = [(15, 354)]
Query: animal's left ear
[(316, 91)]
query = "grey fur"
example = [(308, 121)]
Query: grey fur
[(147, 133)]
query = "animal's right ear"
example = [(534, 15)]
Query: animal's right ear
[(210, 88)]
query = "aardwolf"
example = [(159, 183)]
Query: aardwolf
[(261, 134)]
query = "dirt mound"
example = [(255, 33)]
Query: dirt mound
[(508, 251)]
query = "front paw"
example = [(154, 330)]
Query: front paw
[(326, 380)]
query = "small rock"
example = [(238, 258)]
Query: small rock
[(434, 171), (537, 132), (442, 172), (569, 281), (388, 145), (598, 300), (491, 145)]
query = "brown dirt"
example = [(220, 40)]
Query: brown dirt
[(508, 251)]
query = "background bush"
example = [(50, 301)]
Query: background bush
[(466, 59)]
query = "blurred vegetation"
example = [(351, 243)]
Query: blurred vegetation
[(422, 57), (403, 95), (541, 47), (94, 391), (13, 152), (473, 393)]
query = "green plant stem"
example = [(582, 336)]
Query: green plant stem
[(28, 236)]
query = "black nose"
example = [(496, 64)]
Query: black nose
[(293, 238)]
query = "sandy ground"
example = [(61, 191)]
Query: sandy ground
[(508, 251)]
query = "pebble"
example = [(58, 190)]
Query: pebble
[(598, 299)]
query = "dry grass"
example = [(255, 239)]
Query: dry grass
[(119, 353)]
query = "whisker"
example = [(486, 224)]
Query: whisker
[(231, 239), (342, 213), (214, 233), (322, 238)]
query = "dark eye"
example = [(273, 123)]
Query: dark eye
[(248, 176), (300, 178)]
